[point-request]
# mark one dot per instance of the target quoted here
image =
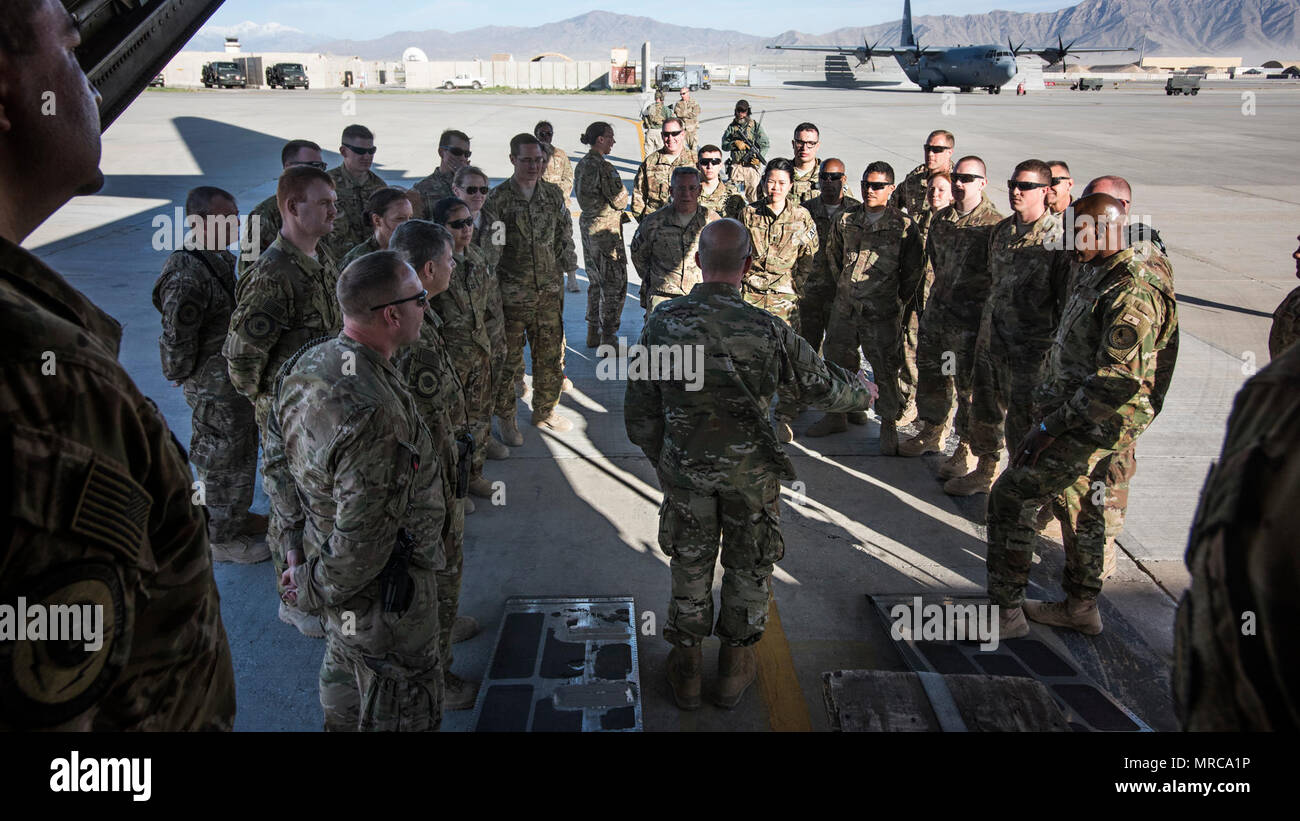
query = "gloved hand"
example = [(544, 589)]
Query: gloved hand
[(741, 145)]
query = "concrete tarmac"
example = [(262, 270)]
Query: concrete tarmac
[(580, 511)]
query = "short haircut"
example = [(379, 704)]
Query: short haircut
[(1033, 167), (357, 132), (294, 183), (368, 281), (466, 172), (940, 175), (17, 26), (779, 164), (729, 259), (451, 134), (199, 200), (1061, 163), (683, 170), (520, 140), (880, 167), (292, 148), (709, 149), (677, 120), (939, 132), (807, 127), (1120, 185), (594, 132), (380, 202), (445, 206), (541, 123), (419, 241), (984, 170)]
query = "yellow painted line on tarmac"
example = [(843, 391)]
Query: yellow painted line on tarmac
[(787, 711)]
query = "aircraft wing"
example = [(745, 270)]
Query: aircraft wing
[(861, 52)]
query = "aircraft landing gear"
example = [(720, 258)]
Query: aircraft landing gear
[(995, 89), (926, 88)]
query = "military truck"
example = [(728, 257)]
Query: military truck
[(1183, 84), (223, 75), (287, 75), (1088, 84)]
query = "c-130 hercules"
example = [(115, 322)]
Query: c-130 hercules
[(967, 67)]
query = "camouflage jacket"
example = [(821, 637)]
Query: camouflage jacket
[(601, 196), (1101, 381), (559, 170), (688, 111), (725, 201), (285, 300), (1241, 559), (350, 226), (803, 187), (1029, 286), (867, 260), (195, 295), (750, 132), (439, 395), (910, 194), (784, 248), (463, 310), (266, 218), (958, 250), (651, 186), (822, 279), (485, 234), (436, 186), (1285, 329), (98, 511), (363, 462), (663, 252), (494, 312), (718, 437), (652, 118), (370, 246), (538, 248)]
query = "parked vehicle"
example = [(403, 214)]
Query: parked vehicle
[(1088, 84), (157, 81), (1183, 84), (223, 75), (287, 75), (465, 81)]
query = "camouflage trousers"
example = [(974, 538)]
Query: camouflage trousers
[(877, 333), (692, 525), (746, 176), (1072, 476), (474, 370), (282, 534), (540, 325), (908, 372), (945, 360), (223, 447), (653, 139), (361, 693), (449, 578), (605, 260), (785, 306), (1002, 397), (815, 308)]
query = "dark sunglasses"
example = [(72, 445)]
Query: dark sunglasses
[(362, 151), (876, 186), (832, 176), (937, 149), (475, 189), (1025, 185), (462, 223), (545, 135), (1059, 180), (712, 161), (457, 152), (670, 133), (966, 177), (319, 166), (420, 299)]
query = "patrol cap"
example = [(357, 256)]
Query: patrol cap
[(742, 105)]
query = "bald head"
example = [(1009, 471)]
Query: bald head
[(724, 254), (1098, 227), (1116, 187)]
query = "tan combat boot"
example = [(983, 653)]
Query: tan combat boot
[(857, 417), (978, 480), (784, 433), (888, 438), (959, 464), (496, 450), (480, 487), (464, 628), (510, 431), (828, 424), (572, 282), (1011, 623), (909, 413), (684, 675), (306, 623), (1082, 615), (241, 550), (457, 693), (737, 668), (593, 335), (552, 421), (1108, 562), (929, 440)]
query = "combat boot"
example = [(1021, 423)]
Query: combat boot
[(958, 464), (495, 450), (464, 628), (1082, 615), (978, 480), (480, 487), (828, 424), (572, 285), (784, 433), (929, 440), (457, 693), (1047, 524), (888, 438), (566, 385), (306, 623), (1108, 562), (552, 421), (857, 417), (593, 335), (241, 549), (684, 675), (737, 668), (255, 524), (1011, 623), (510, 431)]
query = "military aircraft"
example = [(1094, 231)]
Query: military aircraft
[(967, 67)]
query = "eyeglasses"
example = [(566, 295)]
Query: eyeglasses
[(1059, 180), (545, 135), (937, 149), (476, 189), (362, 151), (319, 166), (671, 133), (420, 299), (457, 152), (462, 223), (876, 186), (1024, 185), (711, 161), (832, 176), (804, 143), (966, 178)]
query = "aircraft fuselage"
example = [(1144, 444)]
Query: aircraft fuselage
[(986, 66)]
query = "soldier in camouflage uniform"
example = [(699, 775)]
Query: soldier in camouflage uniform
[(744, 137), (867, 252), (1029, 275), (370, 483), (97, 492), (650, 185), (195, 295), (652, 122), (354, 182), (910, 194), (664, 246), (558, 168), (803, 185), (784, 239), (819, 292), (538, 251), (603, 200), (285, 300), (721, 197), (688, 111), (1241, 558), (916, 283), (453, 155), (263, 223), (1102, 389), (724, 487), (1286, 319), (386, 209), (957, 249)]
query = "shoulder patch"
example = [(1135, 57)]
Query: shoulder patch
[(424, 381), (189, 313), (1122, 337), (259, 325)]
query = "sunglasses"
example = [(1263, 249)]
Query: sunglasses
[(711, 161), (1059, 180), (937, 149), (362, 151), (545, 135), (319, 166), (832, 176), (461, 223), (1024, 185), (671, 133), (876, 186), (476, 189), (966, 177), (420, 299), (457, 152)]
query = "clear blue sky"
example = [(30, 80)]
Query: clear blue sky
[(358, 19)]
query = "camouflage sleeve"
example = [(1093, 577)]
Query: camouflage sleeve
[(912, 263), (642, 242), (1285, 329), (639, 191), (815, 382), (1131, 326), (803, 266), (566, 179), (835, 249), (615, 191), (260, 317), (643, 411), (183, 299), (760, 139), (564, 250)]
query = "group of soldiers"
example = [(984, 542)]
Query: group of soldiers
[(351, 381)]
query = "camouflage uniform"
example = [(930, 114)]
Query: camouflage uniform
[(688, 111), (350, 226), (268, 222), (538, 251), (285, 300), (98, 511), (559, 170), (651, 186), (751, 133), (917, 278), (439, 396), (1102, 389), (503, 387), (370, 246), (957, 248), (436, 186), (867, 261), (1286, 325), (725, 485), (910, 194), (819, 292), (1241, 557), (652, 122), (663, 253), (725, 201), (1029, 287), (463, 310), (803, 187), (196, 295), (603, 198), (365, 470)]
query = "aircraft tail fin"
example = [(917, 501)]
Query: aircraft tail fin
[(908, 39)]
